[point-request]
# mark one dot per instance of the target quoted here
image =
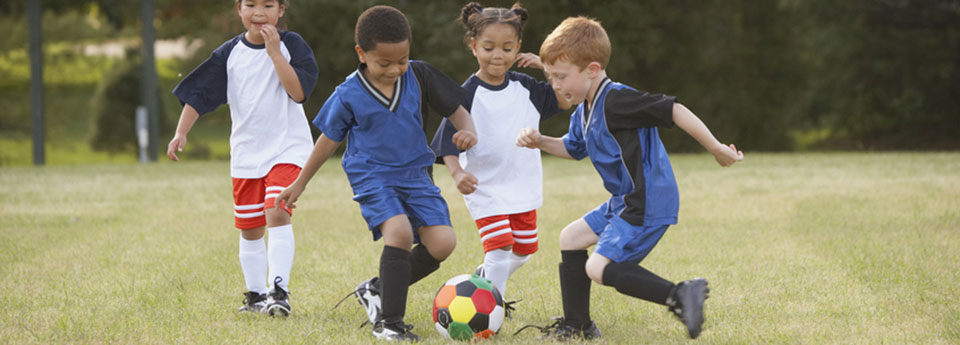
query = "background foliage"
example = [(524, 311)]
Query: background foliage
[(766, 75)]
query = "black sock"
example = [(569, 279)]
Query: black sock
[(632, 280), (421, 263), (394, 280), (575, 288)]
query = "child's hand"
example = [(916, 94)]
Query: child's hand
[(529, 138), (466, 182), (464, 139), (176, 144), (727, 155), (288, 197), (529, 60), (271, 38)]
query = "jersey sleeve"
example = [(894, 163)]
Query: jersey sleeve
[(442, 143), (442, 93), (541, 95), (205, 88), (631, 109), (302, 61), (573, 140), (335, 118)]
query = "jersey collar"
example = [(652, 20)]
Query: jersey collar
[(390, 103), (588, 110)]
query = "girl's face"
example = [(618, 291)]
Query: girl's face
[(386, 62), (256, 13), (496, 49)]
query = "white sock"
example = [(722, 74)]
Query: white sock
[(516, 261), (281, 253), (253, 262), (496, 267)]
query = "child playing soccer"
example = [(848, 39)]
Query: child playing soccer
[(500, 182), (616, 126), (264, 75), (379, 109)]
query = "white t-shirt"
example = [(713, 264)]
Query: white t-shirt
[(268, 127), (510, 178)]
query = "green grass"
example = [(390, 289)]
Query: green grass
[(840, 248)]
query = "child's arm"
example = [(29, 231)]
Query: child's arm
[(530, 60), (531, 138), (188, 117), (288, 77), (690, 123), (466, 182), (322, 151), (466, 135)]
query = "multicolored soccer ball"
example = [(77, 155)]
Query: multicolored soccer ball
[(468, 307)]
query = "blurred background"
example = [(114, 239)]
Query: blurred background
[(767, 75)]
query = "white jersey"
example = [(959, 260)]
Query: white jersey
[(268, 127), (510, 178)]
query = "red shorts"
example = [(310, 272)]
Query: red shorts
[(252, 195), (519, 230)]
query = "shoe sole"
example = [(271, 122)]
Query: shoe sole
[(278, 311), (694, 321)]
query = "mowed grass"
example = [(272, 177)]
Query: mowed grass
[(840, 248)]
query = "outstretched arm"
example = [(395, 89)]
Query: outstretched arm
[(466, 135), (690, 123), (466, 182), (322, 151), (188, 117), (531, 138)]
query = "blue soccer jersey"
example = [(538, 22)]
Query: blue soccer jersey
[(386, 143), (620, 136)]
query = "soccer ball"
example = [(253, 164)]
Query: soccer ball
[(468, 307)]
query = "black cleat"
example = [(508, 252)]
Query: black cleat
[(561, 330), (254, 302), (394, 332), (368, 294), (688, 304), (279, 303)]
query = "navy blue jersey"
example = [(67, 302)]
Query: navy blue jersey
[(386, 143), (620, 136)]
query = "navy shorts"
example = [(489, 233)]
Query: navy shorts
[(423, 205), (619, 240)]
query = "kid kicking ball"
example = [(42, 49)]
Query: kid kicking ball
[(468, 307)]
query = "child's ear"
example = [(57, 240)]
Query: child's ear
[(283, 9), (593, 68), (473, 46), (361, 55)]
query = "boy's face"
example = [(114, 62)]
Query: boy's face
[(496, 49), (254, 14), (569, 81), (386, 62)]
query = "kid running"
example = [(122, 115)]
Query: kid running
[(379, 109), (500, 182), (264, 75), (616, 126)]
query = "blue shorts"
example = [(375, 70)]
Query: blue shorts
[(423, 205), (619, 240)]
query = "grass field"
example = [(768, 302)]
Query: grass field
[(840, 248)]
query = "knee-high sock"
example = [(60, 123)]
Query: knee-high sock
[(253, 263), (421, 263), (281, 247), (575, 287), (516, 261), (496, 267), (632, 280), (394, 280)]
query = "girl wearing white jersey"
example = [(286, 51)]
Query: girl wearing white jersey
[(501, 183)]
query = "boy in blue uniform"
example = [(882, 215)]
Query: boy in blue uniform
[(380, 109), (616, 126)]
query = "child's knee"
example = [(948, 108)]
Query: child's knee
[(595, 267), (276, 217)]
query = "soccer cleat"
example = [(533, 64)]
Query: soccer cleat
[(254, 302), (508, 308), (368, 294), (479, 272), (279, 303), (561, 330), (394, 332), (688, 304)]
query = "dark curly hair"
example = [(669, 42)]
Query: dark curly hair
[(474, 18), (381, 24)]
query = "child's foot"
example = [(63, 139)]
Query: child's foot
[(279, 303), (254, 302), (562, 330), (479, 272), (368, 294), (688, 306), (394, 332)]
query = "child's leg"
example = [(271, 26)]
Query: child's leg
[(436, 244), (395, 267), (253, 259), (629, 244), (574, 282), (496, 235), (282, 247)]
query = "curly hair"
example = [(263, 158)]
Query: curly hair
[(381, 24), (474, 18)]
